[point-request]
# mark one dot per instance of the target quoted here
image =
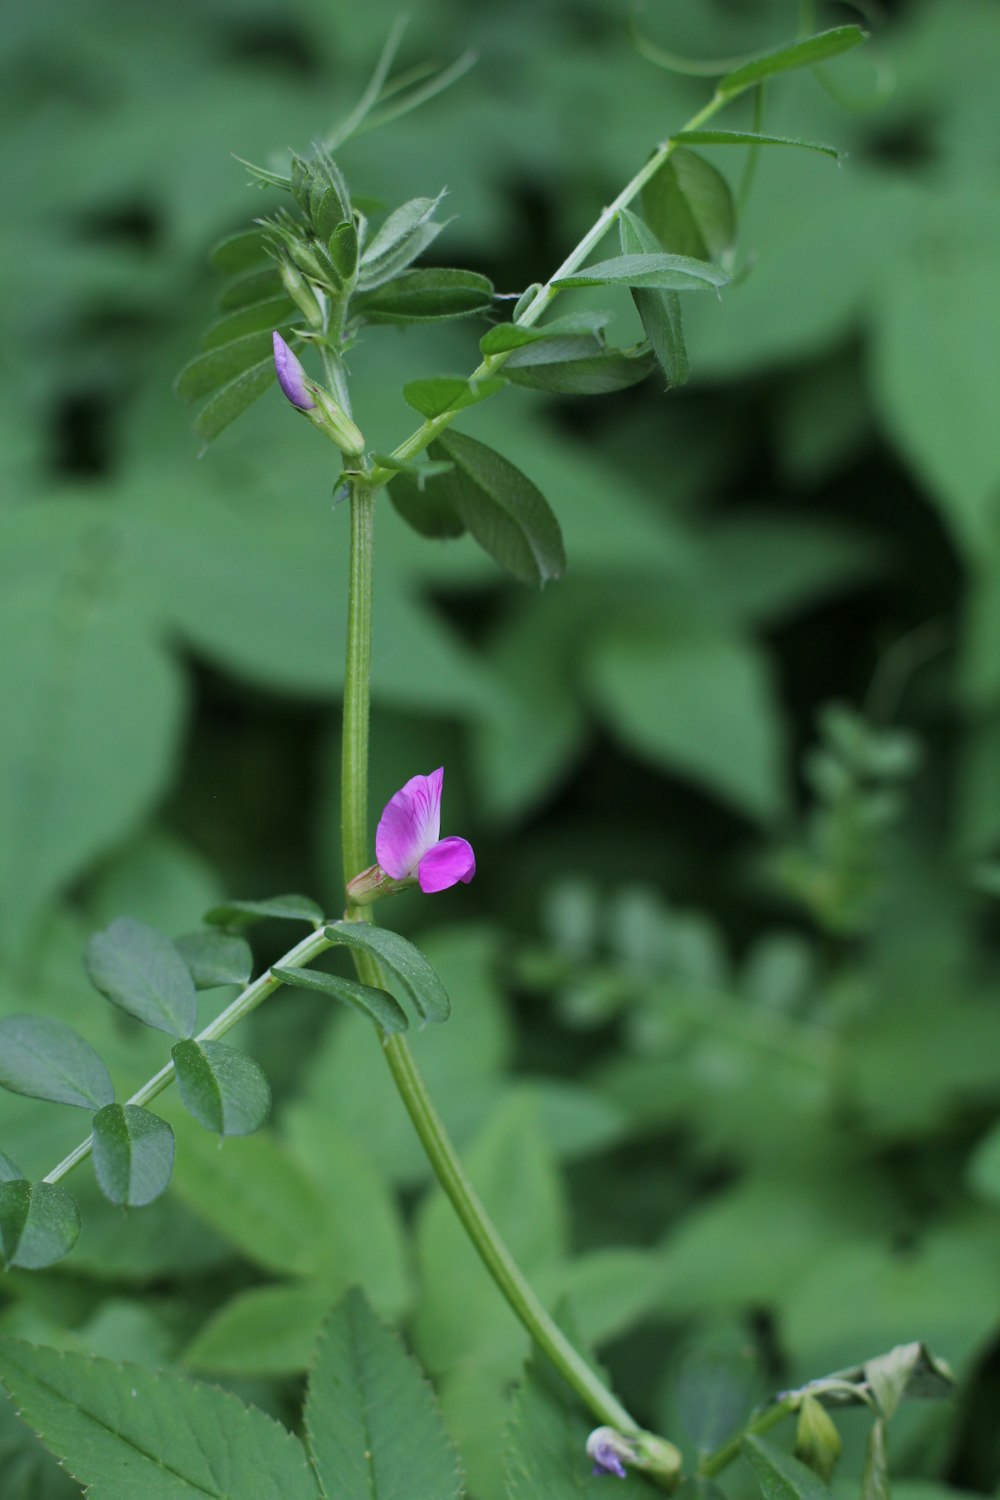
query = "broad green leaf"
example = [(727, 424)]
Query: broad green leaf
[(804, 54), (139, 969), (578, 367), (240, 252), (508, 516), (432, 397), (259, 286), (515, 335), (133, 1154), (45, 1059), (268, 1330), (545, 1452), (281, 908), (223, 1088), (780, 1476), (218, 368), (215, 957), (689, 207), (233, 399), (39, 1224), (378, 1005), (699, 703), (419, 296), (660, 312), (372, 1426), (405, 961), (426, 508), (661, 272), (259, 317), (750, 138), (125, 1432), (252, 1193)]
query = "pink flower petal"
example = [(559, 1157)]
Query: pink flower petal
[(409, 825), (447, 863)]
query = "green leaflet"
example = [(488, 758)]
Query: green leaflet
[(140, 970), (804, 54), (223, 1088), (46, 1059), (375, 1003), (39, 1223), (780, 1476), (665, 273), (283, 908), (133, 1154), (405, 961)]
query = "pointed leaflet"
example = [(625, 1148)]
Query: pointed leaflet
[(780, 1476), (508, 516), (577, 367), (432, 397), (223, 1089), (751, 138), (665, 273), (407, 963), (420, 296), (804, 54), (405, 234), (133, 1154), (378, 1005), (372, 1425), (140, 970), (660, 312), (425, 507), (581, 325), (284, 908), (689, 207), (242, 251), (44, 1059), (215, 957), (39, 1223), (124, 1432)]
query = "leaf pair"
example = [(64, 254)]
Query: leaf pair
[(401, 958)]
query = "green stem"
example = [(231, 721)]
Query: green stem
[(406, 1075), (714, 1463), (298, 957), (546, 295)]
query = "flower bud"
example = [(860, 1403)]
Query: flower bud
[(817, 1441), (301, 293), (658, 1458), (334, 421), (291, 376)]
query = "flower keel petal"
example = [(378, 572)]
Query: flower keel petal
[(444, 865)]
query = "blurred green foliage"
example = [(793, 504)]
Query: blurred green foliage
[(725, 1051)]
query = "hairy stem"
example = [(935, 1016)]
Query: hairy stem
[(298, 957)]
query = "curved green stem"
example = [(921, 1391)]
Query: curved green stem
[(412, 1090), (714, 1463), (296, 958)]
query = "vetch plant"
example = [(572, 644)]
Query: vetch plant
[(313, 279)]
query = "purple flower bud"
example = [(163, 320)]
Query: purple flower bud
[(291, 376), (608, 1448)]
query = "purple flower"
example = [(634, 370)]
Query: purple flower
[(607, 1448), (407, 842), (291, 376)]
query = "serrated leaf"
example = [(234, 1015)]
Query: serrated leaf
[(440, 394), (240, 252), (578, 367), (425, 296), (689, 208), (378, 1005), (545, 1455), (259, 317), (124, 1432), (282, 908), (372, 1426), (804, 54), (233, 399), (425, 507), (508, 516), (215, 957), (46, 1059), (751, 138), (138, 969), (660, 312), (259, 286), (209, 372), (39, 1224), (223, 1088), (133, 1154), (658, 271), (268, 1330), (780, 1476), (515, 335), (404, 960)]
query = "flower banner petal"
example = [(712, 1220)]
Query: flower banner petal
[(410, 825)]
